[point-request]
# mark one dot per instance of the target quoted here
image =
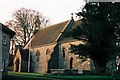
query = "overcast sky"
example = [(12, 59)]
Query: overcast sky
[(56, 10)]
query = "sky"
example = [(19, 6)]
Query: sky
[(56, 10)]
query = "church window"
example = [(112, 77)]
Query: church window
[(48, 51), (37, 56), (63, 51), (71, 62)]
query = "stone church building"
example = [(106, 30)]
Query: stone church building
[(48, 50)]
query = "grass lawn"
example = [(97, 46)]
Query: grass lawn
[(82, 77), (36, 76)]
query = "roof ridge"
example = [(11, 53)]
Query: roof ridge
[(48, 34), (64, 29), (27, 43), (54, 24)]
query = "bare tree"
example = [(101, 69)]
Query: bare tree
[(25, 24), (18, 38)]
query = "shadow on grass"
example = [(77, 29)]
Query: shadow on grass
[(36, 76), (24, 76)]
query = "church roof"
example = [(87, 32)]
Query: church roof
[(49, 34), (70, 39)]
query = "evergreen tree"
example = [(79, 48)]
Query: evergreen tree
[(100, 30)]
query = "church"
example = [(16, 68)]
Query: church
[(49, 50)]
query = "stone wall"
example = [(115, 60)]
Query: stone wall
[(49, 57), (76, 64), (41, 66)]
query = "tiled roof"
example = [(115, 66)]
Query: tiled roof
[(69, 39), (49, 34)]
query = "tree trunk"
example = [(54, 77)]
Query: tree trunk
[(24, 35), (100, 64)]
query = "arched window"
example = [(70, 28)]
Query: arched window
[(37, 56), (48, 51), (63, 51), (71, 62)]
